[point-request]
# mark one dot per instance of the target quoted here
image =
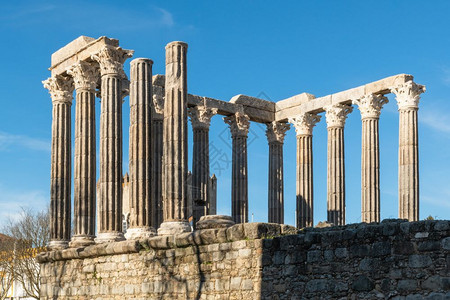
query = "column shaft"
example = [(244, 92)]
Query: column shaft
[(276, 200), (239, 184), (200, 173), (305, 208), (408, 160), (140, 163), (175, 141), (336, 176), (60, 201), (156, 207), (111, 158), (370, 171), (85, 167)]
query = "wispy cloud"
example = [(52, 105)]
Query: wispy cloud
[(11, 141), (12, 201), (435, 120), (28, 11)]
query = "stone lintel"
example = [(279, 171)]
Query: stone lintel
[(316, 105), (293, 101), (254, 102), (79, 49)]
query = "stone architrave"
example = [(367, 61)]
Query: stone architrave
[(157, 159), (304, 124), (61, 91), (175, 161), (200, 119), (275, 133), (408, 96), (335, 117), (86, 76), (239, 124), (141, 98), (111, 60), (370, 108)]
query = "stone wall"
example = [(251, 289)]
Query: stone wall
[(394, 259)]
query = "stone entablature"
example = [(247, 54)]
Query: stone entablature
[(394, 258)]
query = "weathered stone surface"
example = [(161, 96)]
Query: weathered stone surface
[(309, 265), (214, 221)]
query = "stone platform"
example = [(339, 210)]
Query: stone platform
[(394, 259)]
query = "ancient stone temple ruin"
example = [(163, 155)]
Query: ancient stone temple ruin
[(219, 259)]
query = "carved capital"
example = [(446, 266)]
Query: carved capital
[(239, 124), (408, 94), (85, 75), (201, 116), (337, 114), (276, 131), (60, 89), (370, 105), (304, 123), (111, 60)]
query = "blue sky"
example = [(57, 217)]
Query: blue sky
[(264, 49)]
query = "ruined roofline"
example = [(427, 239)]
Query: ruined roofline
[(264, 111)]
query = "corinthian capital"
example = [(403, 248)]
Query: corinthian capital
[(239, 124), (85, 75), (337, 114), (111, 60), (370, 105), (276, 131), (201, 116), (60, 89), (304, 123), (408, 94)]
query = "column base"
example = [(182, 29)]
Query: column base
[(174, 227), (139, 233), (58, 244), (108, 237), (81, 240), (214, 221)]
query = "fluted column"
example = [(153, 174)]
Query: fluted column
[(111, 61), (200, 119), (239, 126), (61, 91), (407, 96), (336, 116), (370, 108), (156, 206), (140, 164), (275, 133), (85, 77), (304, 124), (175, 162)]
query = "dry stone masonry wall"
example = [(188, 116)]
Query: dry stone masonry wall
[(392, 260)]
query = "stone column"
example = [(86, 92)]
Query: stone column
[(85, 76), (407, 96), (175, 162), (212, 201), (156, 208), (304, 124), (111, 61), (336, 116), (140, 164), (275, 133), (370, 108), (61, 91), (239, 126), (200, 119)]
